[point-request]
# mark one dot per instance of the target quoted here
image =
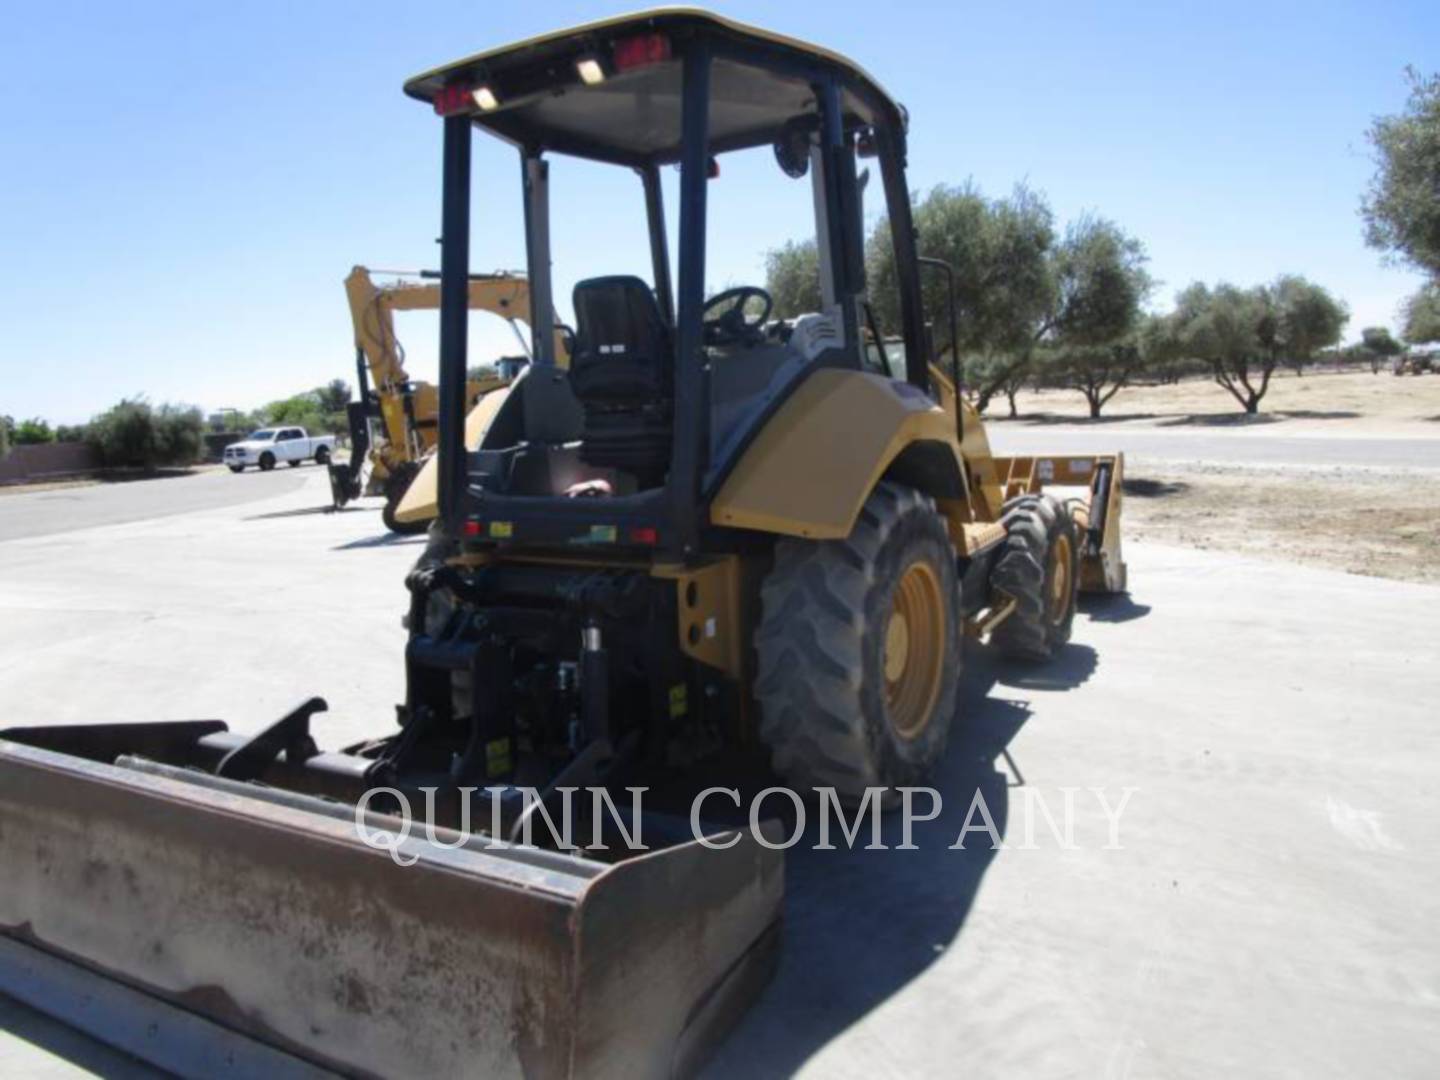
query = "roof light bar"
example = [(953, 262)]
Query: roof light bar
[(452, 99), (641, 51)]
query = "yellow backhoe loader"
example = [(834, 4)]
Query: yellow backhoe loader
[(405, 409), (714, 537)]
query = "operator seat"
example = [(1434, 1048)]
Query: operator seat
[(623, 373)]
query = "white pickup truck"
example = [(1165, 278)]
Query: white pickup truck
[(270, 446)]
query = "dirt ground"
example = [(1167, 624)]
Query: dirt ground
[(1364, 521), (1348, 403), (1361, 521)]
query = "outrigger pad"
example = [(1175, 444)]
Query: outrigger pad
[(270, 916)]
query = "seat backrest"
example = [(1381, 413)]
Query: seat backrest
[(622, 345)]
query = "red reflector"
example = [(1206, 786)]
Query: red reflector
[(644, 534), (473, 528), (635, 52), (453, 99)]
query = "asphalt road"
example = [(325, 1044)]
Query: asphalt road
[(41, 513), (1272, 909), (66, 509), (1229, 447)]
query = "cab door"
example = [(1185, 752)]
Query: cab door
[(290, 444)]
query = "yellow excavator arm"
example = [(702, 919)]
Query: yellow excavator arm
[(372, 314)]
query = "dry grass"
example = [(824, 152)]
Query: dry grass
[(1351, 403), (1360, 521)]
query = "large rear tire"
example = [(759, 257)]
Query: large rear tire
[(859, 649), (1040, 568), (396, 484)]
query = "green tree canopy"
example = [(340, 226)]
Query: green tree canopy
[(333, 396), (1244, 334), (1402, 207), (1421, 316), (1303, 318), (1100, 281), (33, 431), (999, 249), (307, 410), (792, 278), (1378, 346)]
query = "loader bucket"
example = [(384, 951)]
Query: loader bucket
[(262, 911)]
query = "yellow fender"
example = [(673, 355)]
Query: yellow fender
[(812, 466), (421, 501)]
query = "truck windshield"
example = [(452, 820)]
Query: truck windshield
[(263, 435)]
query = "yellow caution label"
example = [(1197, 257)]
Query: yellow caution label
[(497, 758), (679, 700), (501, 530)]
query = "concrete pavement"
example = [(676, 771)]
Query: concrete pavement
[(1273, 909), (40, 513)]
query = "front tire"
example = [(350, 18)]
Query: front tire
[(267, 461), (859, 649), (1040, 568)]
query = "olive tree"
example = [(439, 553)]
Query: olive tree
[(1100, 282), (1378, 346), (999, 250), (1401, 209), (792, 278), (1245, 334), (1421, 316)]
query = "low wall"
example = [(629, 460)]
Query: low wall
[(43, 460)]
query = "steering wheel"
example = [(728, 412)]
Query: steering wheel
[(724, 317)]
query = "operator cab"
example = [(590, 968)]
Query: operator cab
[(664, 386)]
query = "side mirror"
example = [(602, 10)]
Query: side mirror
[(792, 147)]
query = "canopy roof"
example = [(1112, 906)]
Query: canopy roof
[(534, 92)]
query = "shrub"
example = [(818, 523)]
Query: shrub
[(33, 431), (135, 435)]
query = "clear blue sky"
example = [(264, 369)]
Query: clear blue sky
[(184, 185)]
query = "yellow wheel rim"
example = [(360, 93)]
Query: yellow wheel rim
[(1061, 580), (914, 650)]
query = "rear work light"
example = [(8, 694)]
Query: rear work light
[(641, 51), (589, 70)]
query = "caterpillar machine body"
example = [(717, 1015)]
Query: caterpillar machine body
[(713, 530), (405, 410)]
